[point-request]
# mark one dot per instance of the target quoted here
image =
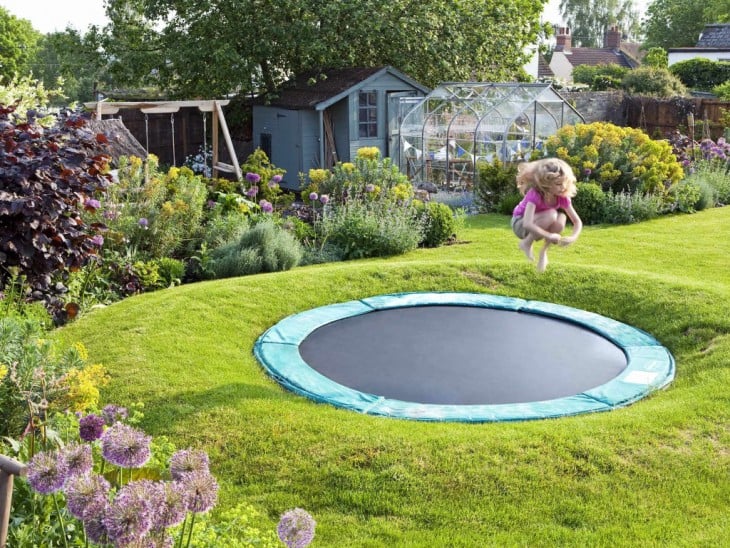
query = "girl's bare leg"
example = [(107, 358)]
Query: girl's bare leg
[(542, 260), (526, 246)]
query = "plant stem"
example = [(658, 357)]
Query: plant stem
[(190, 533), (60, 519)]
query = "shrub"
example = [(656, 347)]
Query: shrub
[(49, 176), (264, 248), (439, 222), (377, 228), (653, 81), (619, 159), (701, 74), (625, 208), (722, 91), (716, 175), (684, 196), (600, 77), (171, 271), (589, 202), (495, 181)]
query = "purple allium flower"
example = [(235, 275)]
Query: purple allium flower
[(91, 427), (114, 413), (143, 222), (253, 178), (125, 446), (211, 204), (110, 215), (188, 460), (266, 206), (252, 192), (324, 199), (276, 179), (313, 196), (369, 187), (587, 171), (94, 523), (91, 203), (128, 518), (296, 528), (86, 495), (202, 489), (171, 504), (97, 240), (79, 460), (47, 472)]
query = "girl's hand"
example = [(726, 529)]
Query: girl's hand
[(567, 240), (554, 238)]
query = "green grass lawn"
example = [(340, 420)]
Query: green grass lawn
[(656, 473)]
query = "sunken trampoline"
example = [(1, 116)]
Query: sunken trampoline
[(463, 357)]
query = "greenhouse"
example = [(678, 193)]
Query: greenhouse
[(444, 135)]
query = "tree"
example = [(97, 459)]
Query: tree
[(676, 24), (590, 19), (72, 62), (18, 46), (213, 47)]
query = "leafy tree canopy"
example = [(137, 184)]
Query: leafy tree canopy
[(678, 23), (208, 48), (589, 20), (18, 45)]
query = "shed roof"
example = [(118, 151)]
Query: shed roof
[(715, 36), (319, 89)]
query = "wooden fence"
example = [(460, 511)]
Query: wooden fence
[(9, 468), (693, 116)]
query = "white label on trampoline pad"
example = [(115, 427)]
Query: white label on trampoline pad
[(640, 377)]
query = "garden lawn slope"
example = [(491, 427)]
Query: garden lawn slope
[(653, 473)]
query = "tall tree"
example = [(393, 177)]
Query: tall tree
[(207, 48), (676, 24), (588, 20), (18, 46)]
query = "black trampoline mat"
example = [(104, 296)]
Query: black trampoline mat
[(462, 355)]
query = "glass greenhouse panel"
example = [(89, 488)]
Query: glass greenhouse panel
[(447, 133)]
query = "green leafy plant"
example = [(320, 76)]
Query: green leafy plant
[(626, 208), (655, 81), (590, 202), (440, 224), (496, 180), (701, 74)]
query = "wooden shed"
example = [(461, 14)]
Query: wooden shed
[(322, 118)]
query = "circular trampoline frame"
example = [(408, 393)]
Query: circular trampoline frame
[(649, 367)]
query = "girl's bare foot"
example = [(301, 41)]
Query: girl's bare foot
[(542, 261), (526, 246)]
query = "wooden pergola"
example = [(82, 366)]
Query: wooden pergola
[(214, 106)]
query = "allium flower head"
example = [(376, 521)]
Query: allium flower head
[(97, 240), (171, 505), (79, 460), (47, 472), (369, 187), (143, 222), (202, 489), (188, 460), (94, 523), (296, 528), (86, 495), (128, 517), (324, 198), (252, 192), (313, 196), (276, 179), (91, 203), (91, 427), (253, 178), (266, 206), (125, 446), (113, 413)]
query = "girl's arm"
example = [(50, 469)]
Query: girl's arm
[(577, 226)]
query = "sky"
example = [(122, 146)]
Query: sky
[(54, 15)]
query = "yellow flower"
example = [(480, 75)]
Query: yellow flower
[(348, 166), (83, 387), (368, 153), (81, 350), (318, 176), (174, 173), (3, 371)]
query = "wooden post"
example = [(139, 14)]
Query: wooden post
[(8, 468), (214, 143)]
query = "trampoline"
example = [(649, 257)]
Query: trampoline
[(463, 357)]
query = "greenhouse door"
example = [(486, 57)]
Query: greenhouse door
[(394, 117)]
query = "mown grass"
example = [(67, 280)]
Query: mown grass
[(655, 473)]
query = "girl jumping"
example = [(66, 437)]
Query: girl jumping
[(547, 186)]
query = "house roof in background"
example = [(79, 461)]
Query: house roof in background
[(715, 36), (320, 89), (543, 68), (600, 56)]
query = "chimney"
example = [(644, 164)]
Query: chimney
[(562, 40), (612, 38)]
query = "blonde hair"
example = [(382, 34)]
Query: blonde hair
[(543, 174)]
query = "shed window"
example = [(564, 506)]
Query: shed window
[(368, 114)]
